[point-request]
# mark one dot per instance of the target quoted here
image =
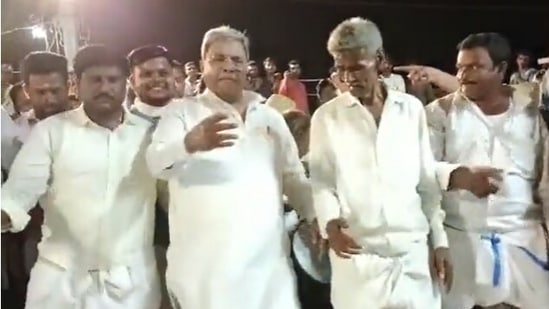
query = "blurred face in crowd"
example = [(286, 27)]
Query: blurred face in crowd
[(153, 81), (386, 67), (477, 73), (294, 69), (270, 66), (22, 103), (253, 70), (224, 69), (102, 89), (523, 61), (179, 82), (357, 70), (48, 94), (191, 71)]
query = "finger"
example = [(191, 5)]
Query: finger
[(222, 137), (342, 254), (449, 276), (352, 251), (406, 68), (222, 126), (493, 188), (441, 269), (215, 118)]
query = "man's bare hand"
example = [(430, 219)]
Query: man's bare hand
[(208, 134), (342, 244), (441, 267), (481, 181)]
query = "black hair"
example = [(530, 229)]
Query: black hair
[(42, 63), (148, 52), (98, 55), (293, 62), (496, 45)]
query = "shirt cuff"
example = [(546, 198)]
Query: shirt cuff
[(19, 218), (443, 171), (326, 216), (439, 239)]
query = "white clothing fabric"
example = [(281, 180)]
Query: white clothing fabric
[(53, 286), (10, 139), (498, 236), (382, 180), (379, 280), (228, 245), (394, 82), (97, 193)]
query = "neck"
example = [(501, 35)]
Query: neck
[(375, 96), (110, 119), (496, 102)]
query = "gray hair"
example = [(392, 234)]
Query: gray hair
[(355, 33), (223, 33)]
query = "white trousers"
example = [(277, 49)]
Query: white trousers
[(371, 281), (52, 286), (509, 268)]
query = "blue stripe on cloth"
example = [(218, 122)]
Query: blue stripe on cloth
[(495, 243), (537, 260)]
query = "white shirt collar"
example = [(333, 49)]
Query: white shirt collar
[(149, 110)]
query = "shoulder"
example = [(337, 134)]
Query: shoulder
[(442, 104)]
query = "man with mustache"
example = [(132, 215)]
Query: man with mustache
[(228, 159), (496, 236), (152, 79), (376, 206), (87, 167)]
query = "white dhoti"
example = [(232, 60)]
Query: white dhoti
[(509, 268), (379, 281), (134, 286)]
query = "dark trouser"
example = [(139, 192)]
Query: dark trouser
[(312, 294)]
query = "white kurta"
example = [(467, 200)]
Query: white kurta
[(394, 82), (229, 249), (382, 181), (497, 243), (98, 198)]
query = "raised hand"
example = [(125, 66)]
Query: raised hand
[(208, 134)]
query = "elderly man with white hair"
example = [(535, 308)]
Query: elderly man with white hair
[(228, 159), (374, 184)]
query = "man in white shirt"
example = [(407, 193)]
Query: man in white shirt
[(87, 167), (391, 80), (374, 184), (496, 237), (229, 159), (152, 80)]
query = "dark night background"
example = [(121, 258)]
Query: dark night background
[(425, 31)]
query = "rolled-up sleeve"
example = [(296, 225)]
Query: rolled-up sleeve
[(28, 178), (167, 149), (429, 188), (323, 172), (436, 118)]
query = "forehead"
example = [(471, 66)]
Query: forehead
[(473, 55), (158, 63), (190, 66), (351, 57), (102, 71), (227, 48), (53, 79)]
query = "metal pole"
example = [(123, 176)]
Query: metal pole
[(67, 18)]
